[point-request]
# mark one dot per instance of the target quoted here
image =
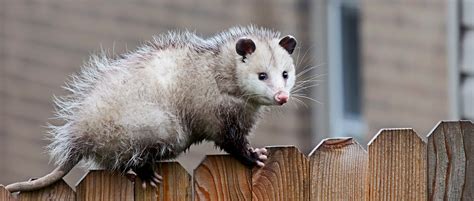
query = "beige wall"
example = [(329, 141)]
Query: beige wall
[(41, 42), (405, 71)]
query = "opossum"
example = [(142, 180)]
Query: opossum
[(127, 113)]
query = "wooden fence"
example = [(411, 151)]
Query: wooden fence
[(399, 165)]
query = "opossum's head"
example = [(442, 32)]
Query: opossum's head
[(265, 69)]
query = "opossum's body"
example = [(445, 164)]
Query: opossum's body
[(135, 106), (152, 104)]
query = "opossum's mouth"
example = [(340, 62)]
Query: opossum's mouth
[(264, 100), (278, 99)]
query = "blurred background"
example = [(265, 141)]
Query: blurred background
[(398, 63)]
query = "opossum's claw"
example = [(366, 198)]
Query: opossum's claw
[(260, 155), (159, 177), (131, 175), (261, 151), (148, 175), (156, 180), (152, 184)]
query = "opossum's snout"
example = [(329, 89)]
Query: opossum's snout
[(281, 97)]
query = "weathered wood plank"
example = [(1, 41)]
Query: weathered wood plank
[(221, 177), (338, 170), (5, 195), (397, 166), (467, 128), (104, 185), (176, 185), (58, 191), (451, 161), (284, 176)]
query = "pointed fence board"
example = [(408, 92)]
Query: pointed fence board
[(397, 166), (148, 194), (451, 161), (221, 177), (5, 195), (104, 185), (285, 176), (338, 168), (176, 185), (58, 191)]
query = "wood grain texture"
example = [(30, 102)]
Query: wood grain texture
[(176, 185), (338, 169), (5, 195), (284, 176), (221, 177), (397, 166), (58, 191), (451, 161), (104, 185)]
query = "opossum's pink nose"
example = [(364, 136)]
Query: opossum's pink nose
[(281, 97)]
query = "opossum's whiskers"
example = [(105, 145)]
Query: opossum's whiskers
[(313, 77), (300, 60), (303, 88), (299, 101), (277, 112), (306, 97), (308, 69), (306, 84)]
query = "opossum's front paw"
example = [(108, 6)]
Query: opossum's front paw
[(148, 175), (259, 155), (154, 180)]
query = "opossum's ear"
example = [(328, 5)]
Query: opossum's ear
[(289, 43), (245, 46)]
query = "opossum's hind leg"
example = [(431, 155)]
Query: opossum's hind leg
[(147, 174)]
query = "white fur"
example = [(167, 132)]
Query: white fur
[(117, 108)]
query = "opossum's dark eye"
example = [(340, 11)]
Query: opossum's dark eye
[(285, 75), (262, 76)]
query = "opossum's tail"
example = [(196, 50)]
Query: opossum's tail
[(42, 182)]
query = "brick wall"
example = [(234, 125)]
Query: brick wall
[(41, 42), (404, 64)]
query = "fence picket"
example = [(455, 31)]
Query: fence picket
[(338, 169), (104, 185), (284, 177), (221, 177), (397, 166), (176, 184), (450, 161), (58, 191), (5, 195)]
